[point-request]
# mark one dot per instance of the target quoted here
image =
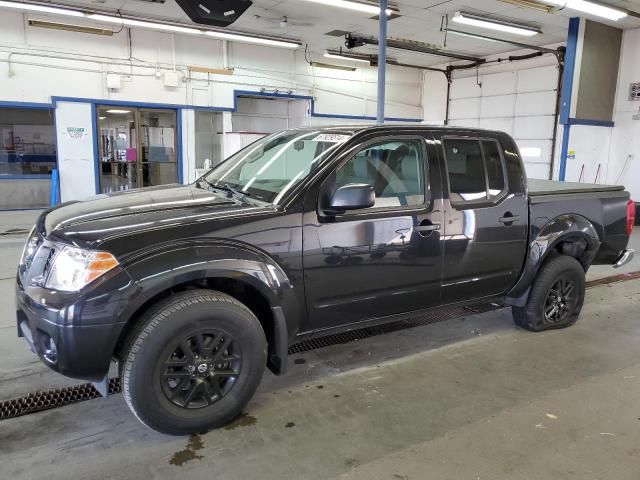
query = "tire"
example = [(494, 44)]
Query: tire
[(182, 348), (543, 310)]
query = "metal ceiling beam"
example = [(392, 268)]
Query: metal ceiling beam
[(353, 40)]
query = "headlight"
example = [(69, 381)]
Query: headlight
[(73, 268), (30, 246)]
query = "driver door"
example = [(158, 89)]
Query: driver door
[(378, 261)]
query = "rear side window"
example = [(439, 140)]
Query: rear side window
[(475, 167), (495, 170)]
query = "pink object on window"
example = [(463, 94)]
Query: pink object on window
[(131, 155)]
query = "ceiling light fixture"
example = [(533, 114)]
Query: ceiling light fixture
[(333, 67), (143, 24), (493, 24), (530, 4), (41, 8), (70, 28), (118, 112), (590, 8), (470, 35), (235, 37), (338, 56), (356, 6)]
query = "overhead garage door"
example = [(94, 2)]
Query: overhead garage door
[(520, 102)]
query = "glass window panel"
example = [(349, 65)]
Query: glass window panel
[(27, 141), (394, 169), (466, 170), (495, 169)]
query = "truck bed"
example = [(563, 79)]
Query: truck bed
[(552, 187)]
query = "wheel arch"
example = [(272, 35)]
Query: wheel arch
[(250, 276), (568, 234)]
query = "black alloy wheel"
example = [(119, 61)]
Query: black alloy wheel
[(201, 369), (556, 296), (560, 302)]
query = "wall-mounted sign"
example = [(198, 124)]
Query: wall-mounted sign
[(76, 133)]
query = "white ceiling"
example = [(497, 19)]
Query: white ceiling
[(419, 21)]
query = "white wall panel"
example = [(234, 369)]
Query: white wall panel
[(464, 108), (533, 128), (467, 123), (537, 170), (465, 88), (503, 124), (498, 83), (497, 106), (536, 103), (75, 150), (537, 79)]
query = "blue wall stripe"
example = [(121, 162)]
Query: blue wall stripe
[(593, 123)]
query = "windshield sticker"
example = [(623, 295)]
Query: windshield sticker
[(332, 137)]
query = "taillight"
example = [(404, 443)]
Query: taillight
[(631, 216)]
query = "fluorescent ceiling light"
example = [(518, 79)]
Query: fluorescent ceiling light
[(102, 118), (591, 8), (357, 6), (41, 8), (484, 22), (342, 57), (70, 28), (236, 37), (470, 35), (116, 111), (531, 152), (333, 67), (141, 23)]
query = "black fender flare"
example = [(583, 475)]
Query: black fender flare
[(167, 266), (545, 240)]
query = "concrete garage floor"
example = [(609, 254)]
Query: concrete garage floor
[(468, 398)]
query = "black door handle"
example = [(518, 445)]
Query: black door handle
[(509, 219)]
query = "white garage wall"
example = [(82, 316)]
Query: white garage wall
[(612, 154), (520, 102), (42, 63), (623, 165)]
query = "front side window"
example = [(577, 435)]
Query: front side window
[(270, 167), (394, 169), (475, 168)]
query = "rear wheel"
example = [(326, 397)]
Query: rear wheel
[(194, 362), (556, 297)]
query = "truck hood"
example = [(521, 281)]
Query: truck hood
[(97, 218)]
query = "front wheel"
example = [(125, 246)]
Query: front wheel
[(556, 297), (195, 361)]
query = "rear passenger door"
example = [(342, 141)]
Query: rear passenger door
[(485, 217)]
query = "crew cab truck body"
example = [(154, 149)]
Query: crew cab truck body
[(194, 289)]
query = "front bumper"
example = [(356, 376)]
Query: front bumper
[(625, 257), (74, 336)]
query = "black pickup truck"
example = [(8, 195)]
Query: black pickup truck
[(193, 289)]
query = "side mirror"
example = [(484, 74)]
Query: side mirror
[(353, 196)]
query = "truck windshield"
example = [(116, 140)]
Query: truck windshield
[(270, 167)]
